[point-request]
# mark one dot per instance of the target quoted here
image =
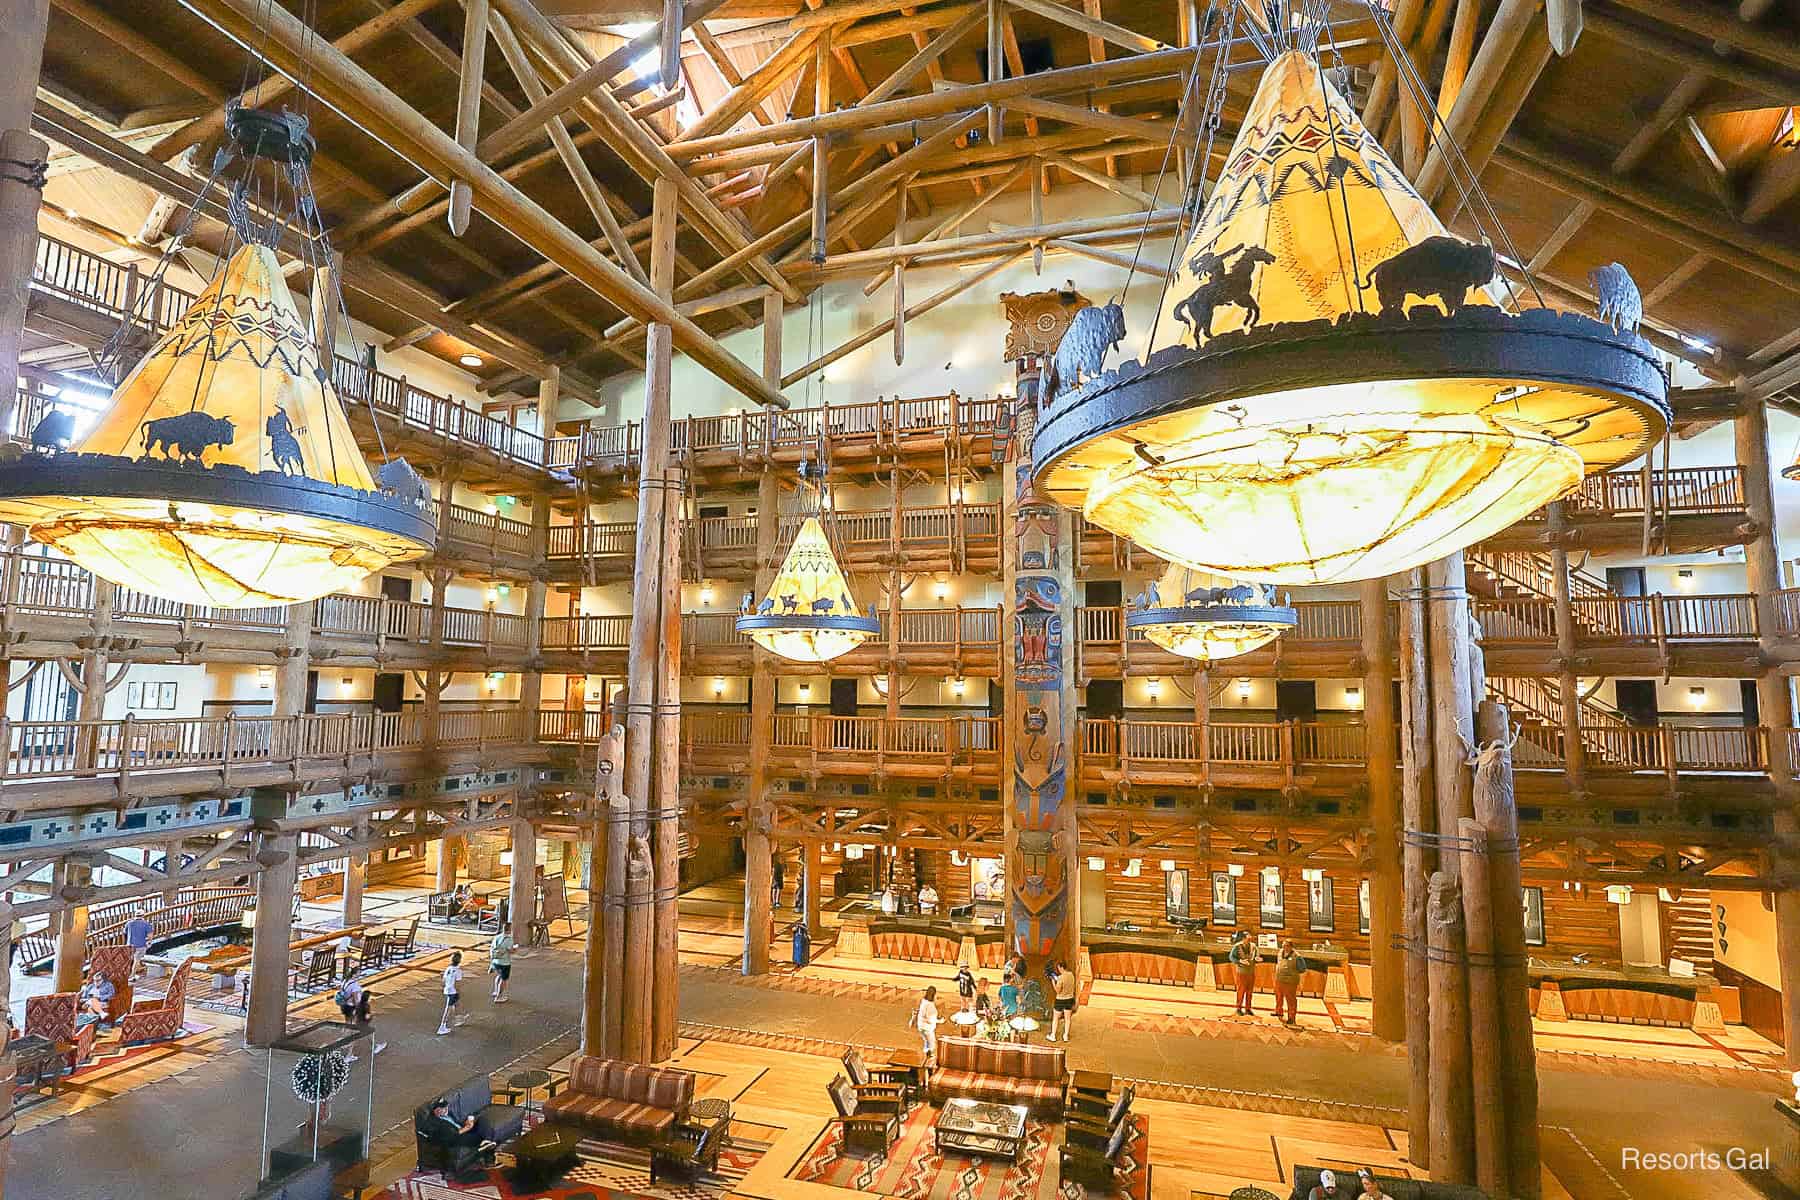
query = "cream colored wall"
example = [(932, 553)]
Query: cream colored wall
[(1748, 944), (191, 690)]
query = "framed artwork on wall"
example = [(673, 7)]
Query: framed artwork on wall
[(987, 878), (165, 695), (1319, 915), (1175, 893), (1362, 907), (1271, 905), (134, 695), (1534, 916), (1224, 899)]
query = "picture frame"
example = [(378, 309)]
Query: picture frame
[(1534, 916), (1224, 898), (134, 695), (1362, 907), (1271, 903), (165, 695), (1175, 893), (987, 879), (1320, 916)]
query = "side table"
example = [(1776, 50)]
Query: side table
[(528, 1082)]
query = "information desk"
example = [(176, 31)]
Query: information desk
[(921, 939), (1201, 960), (1636, 995)]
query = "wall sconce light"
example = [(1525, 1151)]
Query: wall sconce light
[(1618, 893), (718, 685), (958, 686), (1312, 875), (940, 589), (1684, 578), (506, 858), (1153, 687), (1133, 868), (493, 681), (1243, 690), (493, 594), (1167, 864), (805, 690), (853, 852), (1580, 887), (880, 683), (1353, 696), (265, 678), (1235, 870), (1696, 696), (1271, 872), (345, 684), (706, 593)]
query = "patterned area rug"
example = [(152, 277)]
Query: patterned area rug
[(912, 1168), (606, 1171)]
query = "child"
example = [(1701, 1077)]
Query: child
[(452, 993)]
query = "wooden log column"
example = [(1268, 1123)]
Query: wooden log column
[(758, 864), (1418, 858), (1038, 550), (69, 878), (1568, 686), (1774, 695), (278, 856), (1387, 956), (356, 875), (641, 775), (521, 895), (605, 952), (666, 822), (1452, 1110)]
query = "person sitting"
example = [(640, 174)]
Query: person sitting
[(96, 994), (446, 1130), (1369, 1189), (468, 904), (1326, 1188)]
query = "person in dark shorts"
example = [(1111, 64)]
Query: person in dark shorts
[(1063, 1011)]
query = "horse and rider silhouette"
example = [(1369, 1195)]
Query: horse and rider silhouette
[(1222, 285)]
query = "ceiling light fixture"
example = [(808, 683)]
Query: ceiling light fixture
[(1185, 615), (809, 614), (470, 360), (224, 472), (1296, 424)]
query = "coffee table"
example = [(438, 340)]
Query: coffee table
[(977, 1127), (543, 1156)]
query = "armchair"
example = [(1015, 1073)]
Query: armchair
[(1092, 1130), (158, 1017), (693, 1144), (879, 1086), (397, 945), (53, 1017), (117, 964), (863, 1121), (1094, 1168), (443, 1148)]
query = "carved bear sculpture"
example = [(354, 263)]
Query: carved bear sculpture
[(1444, 267), (54, 432)]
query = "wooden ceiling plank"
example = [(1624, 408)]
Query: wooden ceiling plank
[(276, 86), (1093, 27), (1670, 283), (592, 194), (1768, 84), (1776, 181), (720, 59), (640, 150), (1100, 179), (1075, 114), (1708, 22), (1559, 237), (1514, 47), (429, 42), (956, 218), (291, 46), (925, 57), (771, 73)]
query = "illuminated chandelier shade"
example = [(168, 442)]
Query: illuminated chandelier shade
[(1185, 615), (1334, 393), (809, 614), (224, 473)]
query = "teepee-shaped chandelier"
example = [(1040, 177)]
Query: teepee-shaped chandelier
[(1299, 423), (225, 472), (1186, 615), (809, 614)]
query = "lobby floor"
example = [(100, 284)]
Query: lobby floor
[(1231, 1101)]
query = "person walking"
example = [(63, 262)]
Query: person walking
[(1063, 1008), (925, 1020), (965, 986), (137, 936), (1009, 996), (353, 1001), (452, 993), (1244, 956), (1287, 984), (777, 876), (500, 956)]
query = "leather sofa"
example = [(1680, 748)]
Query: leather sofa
[(1306, 1178), (311, 1182), (622, 1100), (1001, 1072), (474, 1097)]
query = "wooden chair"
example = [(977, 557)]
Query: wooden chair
[(1095, 1130), (863, 1121), (373, 955), (398, 946), (863, 1075), (1095, 1168), (320, 971)]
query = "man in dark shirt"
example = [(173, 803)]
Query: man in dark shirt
[(446, 1130)]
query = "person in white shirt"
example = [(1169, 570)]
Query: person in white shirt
[(452, 993), (925, 1021), (1370, 1190)]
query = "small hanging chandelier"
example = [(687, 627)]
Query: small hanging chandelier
[(1301, 424), (225, 472), (809, 614), (1186, 616)]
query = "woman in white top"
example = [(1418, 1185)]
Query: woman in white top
[(926, 1020), (452, 992)]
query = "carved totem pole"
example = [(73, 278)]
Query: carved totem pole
[(1038, 668)]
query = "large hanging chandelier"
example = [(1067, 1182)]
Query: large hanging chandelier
[(1299, 424), (809, 614), (1186, 615), (225, 472)]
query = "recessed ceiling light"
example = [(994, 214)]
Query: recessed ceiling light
[(470, 360)]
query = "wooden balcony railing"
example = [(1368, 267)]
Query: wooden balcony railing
[(1645, 620), (1682, 490), (472, 528)]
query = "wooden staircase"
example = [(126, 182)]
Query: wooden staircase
[(1529, 575), (1539, 701), (1688, 929)]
